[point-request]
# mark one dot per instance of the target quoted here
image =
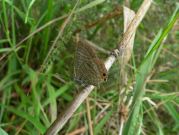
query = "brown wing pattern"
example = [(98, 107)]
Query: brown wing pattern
[(88, 68)]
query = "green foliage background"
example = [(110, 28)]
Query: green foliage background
[(30, 100)]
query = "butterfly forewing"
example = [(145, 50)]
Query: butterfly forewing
[(88, 68)]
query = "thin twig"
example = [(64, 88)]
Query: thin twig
[(172, 54), (89, 116), (99, 116), (97, 47), (121, 127), (116, 12), (58, 77)]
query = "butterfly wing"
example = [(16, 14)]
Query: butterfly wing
[(86, 74), (88, 68), (84, 50)]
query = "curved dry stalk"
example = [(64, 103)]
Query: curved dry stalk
[(89, 116), (100, 49), (122, 113), (61, 120), (134, 24)]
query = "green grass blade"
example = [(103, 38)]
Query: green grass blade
[(98, 128), (28, 117), (2, 132)]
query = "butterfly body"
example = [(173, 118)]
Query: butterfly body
[(88, 68)]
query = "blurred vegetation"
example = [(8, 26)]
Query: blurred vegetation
[(30, 100)]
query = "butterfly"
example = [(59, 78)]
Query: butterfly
[(88, 68)]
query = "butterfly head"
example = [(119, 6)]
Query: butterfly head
[(102, 76)]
